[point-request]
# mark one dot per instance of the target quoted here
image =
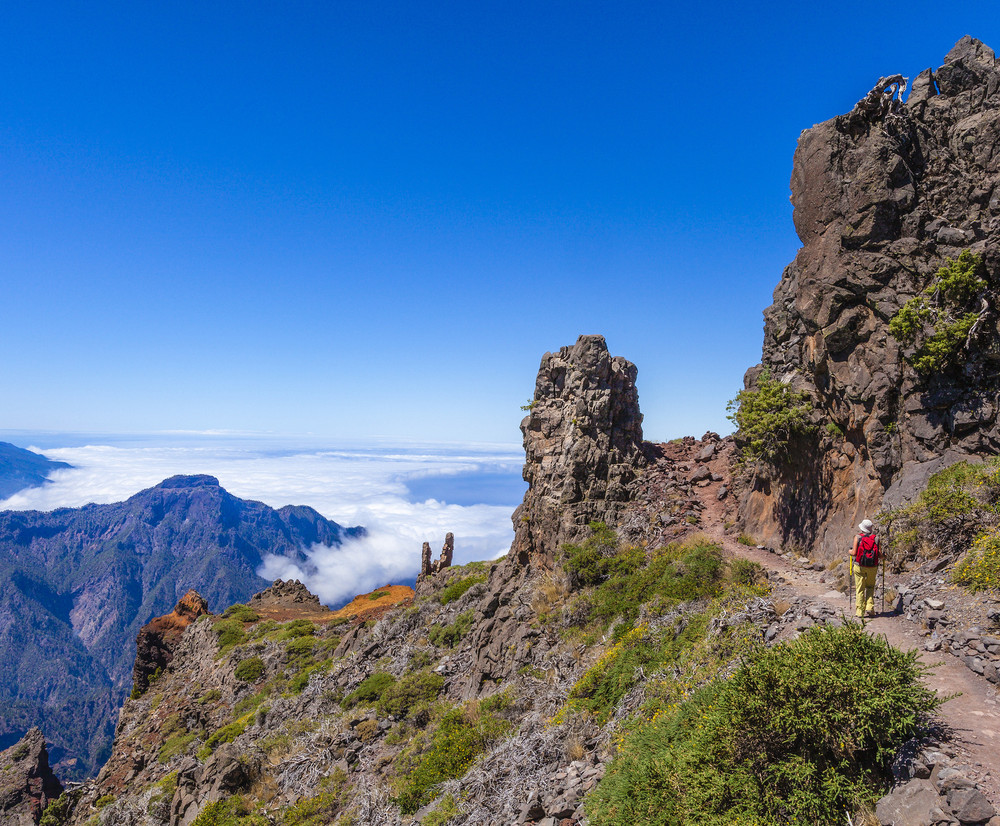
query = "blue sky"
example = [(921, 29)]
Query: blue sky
[(371, 219)]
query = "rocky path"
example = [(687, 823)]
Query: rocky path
[(971, 715)]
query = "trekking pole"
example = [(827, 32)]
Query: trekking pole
[(850, 585), (883, 583)]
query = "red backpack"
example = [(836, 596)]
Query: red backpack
[(867, 553)]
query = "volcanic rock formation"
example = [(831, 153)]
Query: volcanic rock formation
[(582, 444), (159, 637), (883, 197), (27, 784)]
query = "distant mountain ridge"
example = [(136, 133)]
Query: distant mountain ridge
[(21, 469), (77, 584)]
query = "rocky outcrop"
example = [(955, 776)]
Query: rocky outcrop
[(583, 446), (883, 197), (159, 637), (428, 568), (285, 593), (27, 784)]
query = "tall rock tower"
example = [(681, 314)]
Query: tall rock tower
[(582, 444), (883, 197)]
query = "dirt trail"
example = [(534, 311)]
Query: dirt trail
[(973, 716)]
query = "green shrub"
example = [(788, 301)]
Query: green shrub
[(369, 691), (444, 812), (57, 812), (746, 539), (453, 747), (959, 503), (835, 430), (297, 628), (950, 306), (243, 613), (604, 685), (374, 595), (300, 650), (301, 677), (233, 811), (450, 635), (104, 800), (745, 572), (768, 418), (458, 588), (250, 670), (414, 688), (227, 733), (230, 633), (801, 733), (979, 569), (210, 696)]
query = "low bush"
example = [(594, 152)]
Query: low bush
[(323, 807), (250, 670), (233, 811), (414, 688), (230, 633), (460, 737), (369, 690), (801, 733), (458, 588), (299, 650), (296, 628), (745, 572), (243, 613)]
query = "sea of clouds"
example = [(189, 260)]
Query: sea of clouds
[(403, 495)]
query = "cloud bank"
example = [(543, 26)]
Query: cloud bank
[(353, 486)]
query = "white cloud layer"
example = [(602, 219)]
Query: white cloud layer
[(355, 486)]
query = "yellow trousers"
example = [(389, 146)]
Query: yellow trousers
[(864, 586)]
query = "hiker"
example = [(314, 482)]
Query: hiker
[(865, 556)]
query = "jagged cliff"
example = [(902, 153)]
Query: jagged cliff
[(27, 784), (883, 197)]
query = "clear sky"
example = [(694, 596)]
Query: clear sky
[(372, 218)]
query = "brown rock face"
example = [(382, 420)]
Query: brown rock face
[(159, 637), (27, 784), (882, 197), (583, 445)]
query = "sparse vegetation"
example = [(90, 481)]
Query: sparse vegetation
[(959, 505), (623, 579), (950, 306), (460, 736), (374, 595), (450, 635), (321, 808), (370, 690), (230, 633), (233, 811), (458, 588), (413, 689)]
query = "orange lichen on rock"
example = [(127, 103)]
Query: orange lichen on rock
[(157, 638), (373, 605)]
